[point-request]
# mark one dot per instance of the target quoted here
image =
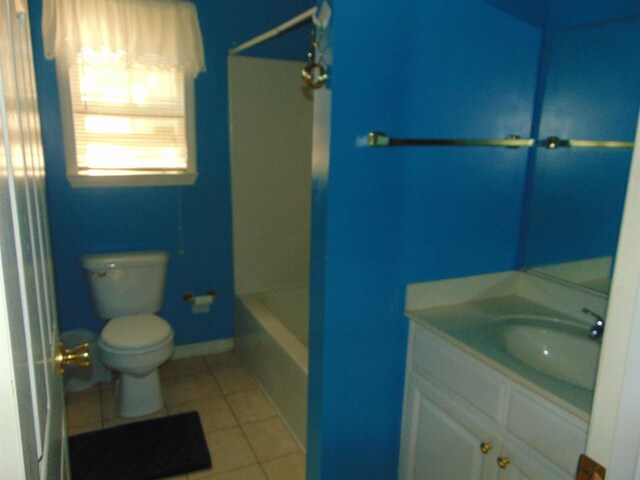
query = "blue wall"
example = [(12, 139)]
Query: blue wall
[(535, 12), (111, 219), (592, 92), (385, 218), (388, 217), (571, 13), (588, 89)]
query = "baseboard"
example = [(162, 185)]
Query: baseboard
[(203, 348)]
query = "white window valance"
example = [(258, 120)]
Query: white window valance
[(162, 33)]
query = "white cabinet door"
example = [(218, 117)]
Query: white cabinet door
[(512, 472), (436, 446), (445, 450), (519, 470), (526, 464)]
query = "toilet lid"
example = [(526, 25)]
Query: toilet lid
[(135, 331)]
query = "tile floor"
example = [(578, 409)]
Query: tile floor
[(246, 438)]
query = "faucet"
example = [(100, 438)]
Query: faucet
[(597, 329)]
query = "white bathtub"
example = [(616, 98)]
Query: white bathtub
[(271, 332)]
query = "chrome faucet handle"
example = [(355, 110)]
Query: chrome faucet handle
[(597, 329)]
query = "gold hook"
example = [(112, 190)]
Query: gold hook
[(314, 75)]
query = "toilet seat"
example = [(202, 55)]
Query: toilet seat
[(135, 333)]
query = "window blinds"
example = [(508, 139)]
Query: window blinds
[(128, 119)]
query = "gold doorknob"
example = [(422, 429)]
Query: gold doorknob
[(503, 462), (485, 447), (78, 356)]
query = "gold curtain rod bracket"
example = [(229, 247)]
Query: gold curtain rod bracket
[(378, 139)]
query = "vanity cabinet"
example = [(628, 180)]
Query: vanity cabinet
[(464, 420)]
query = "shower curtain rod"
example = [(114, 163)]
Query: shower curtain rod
[(274, 32)]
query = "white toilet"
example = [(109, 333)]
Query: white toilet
[(126, 290)]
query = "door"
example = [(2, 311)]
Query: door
[(614, 433), (33, 411)]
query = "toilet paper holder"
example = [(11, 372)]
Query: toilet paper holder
[(208, 298)]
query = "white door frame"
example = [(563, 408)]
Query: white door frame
[(614, 433)]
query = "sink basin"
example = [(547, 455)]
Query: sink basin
[(558, 348)]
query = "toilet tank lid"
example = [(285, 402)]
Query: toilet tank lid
[(101, 261)]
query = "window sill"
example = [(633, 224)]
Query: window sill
[(91, 181)]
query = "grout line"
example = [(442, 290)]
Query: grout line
[(266, 475), (215, 380), (102, 419), (231, 471), (258, 461)]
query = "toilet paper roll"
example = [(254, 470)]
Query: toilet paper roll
[(202, 300)]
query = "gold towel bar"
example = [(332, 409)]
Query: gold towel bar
[(379, 139)]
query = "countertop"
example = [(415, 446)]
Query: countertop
[(472, 327)]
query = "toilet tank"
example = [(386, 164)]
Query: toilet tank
[(125, 283)]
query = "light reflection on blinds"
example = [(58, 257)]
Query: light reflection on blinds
[(128, 119)]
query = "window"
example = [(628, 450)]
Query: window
[(128, 115), (127, 125)]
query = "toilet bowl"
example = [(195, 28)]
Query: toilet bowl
[(135, 346), (126, 290)]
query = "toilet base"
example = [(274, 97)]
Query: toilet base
[(139, 395)]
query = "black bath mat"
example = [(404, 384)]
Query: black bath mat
[(145, 450)]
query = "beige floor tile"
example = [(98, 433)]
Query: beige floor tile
[(189, 388), (220, 361), (270, 439), (250, 406), (291, 467), (183, 366), (109, 403), (84, 429), (95, 386), (232, 380), (229, 450), (114, 422), (215, 413), (83, 408), (82, 396), (253, 472)]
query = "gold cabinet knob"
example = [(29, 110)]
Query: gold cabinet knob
[(78, 356), (503, 462), (485, 447)]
